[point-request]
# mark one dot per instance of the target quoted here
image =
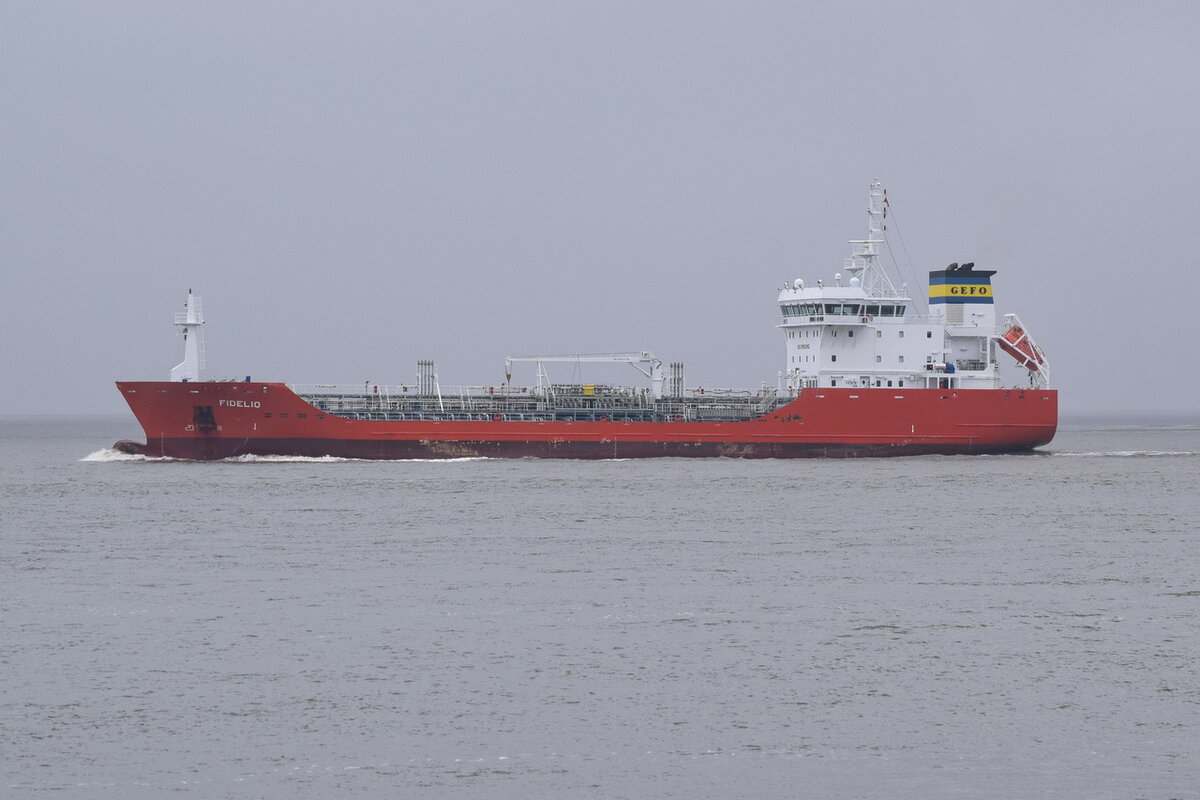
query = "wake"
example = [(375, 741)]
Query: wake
[(1131, 454), (109, 454)]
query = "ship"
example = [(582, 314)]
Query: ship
[(867, 372)]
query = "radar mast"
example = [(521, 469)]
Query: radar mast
[(863, 262)]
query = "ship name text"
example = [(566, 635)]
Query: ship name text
[(240, 403)]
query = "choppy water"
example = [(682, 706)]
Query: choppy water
[(1006, 626)]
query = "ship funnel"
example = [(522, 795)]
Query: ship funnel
[(962, 295)]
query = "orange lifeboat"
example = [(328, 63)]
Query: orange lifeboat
[(1017, 344)]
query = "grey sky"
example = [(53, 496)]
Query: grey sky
[(354, 187)]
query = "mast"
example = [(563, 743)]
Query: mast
[(863, 262), (188, 322)]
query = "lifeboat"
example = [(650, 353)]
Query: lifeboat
[(1016, 342)]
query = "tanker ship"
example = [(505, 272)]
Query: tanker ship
[(866, 373)]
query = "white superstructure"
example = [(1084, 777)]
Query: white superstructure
[(862, 332), (189, 322)]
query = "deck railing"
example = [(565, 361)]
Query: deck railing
[(585, 402)]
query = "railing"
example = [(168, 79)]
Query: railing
[(368, 387), (859, 319), (615, 403), (395, 391)]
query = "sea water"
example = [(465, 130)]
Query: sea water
[(932, 627)]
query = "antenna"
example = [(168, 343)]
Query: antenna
[(863, 262)]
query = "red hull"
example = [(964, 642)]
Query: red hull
[(269, 419)]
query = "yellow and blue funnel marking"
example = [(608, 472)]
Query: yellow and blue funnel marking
[(960, 286)]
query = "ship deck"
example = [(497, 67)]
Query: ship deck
[(559, 403)]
